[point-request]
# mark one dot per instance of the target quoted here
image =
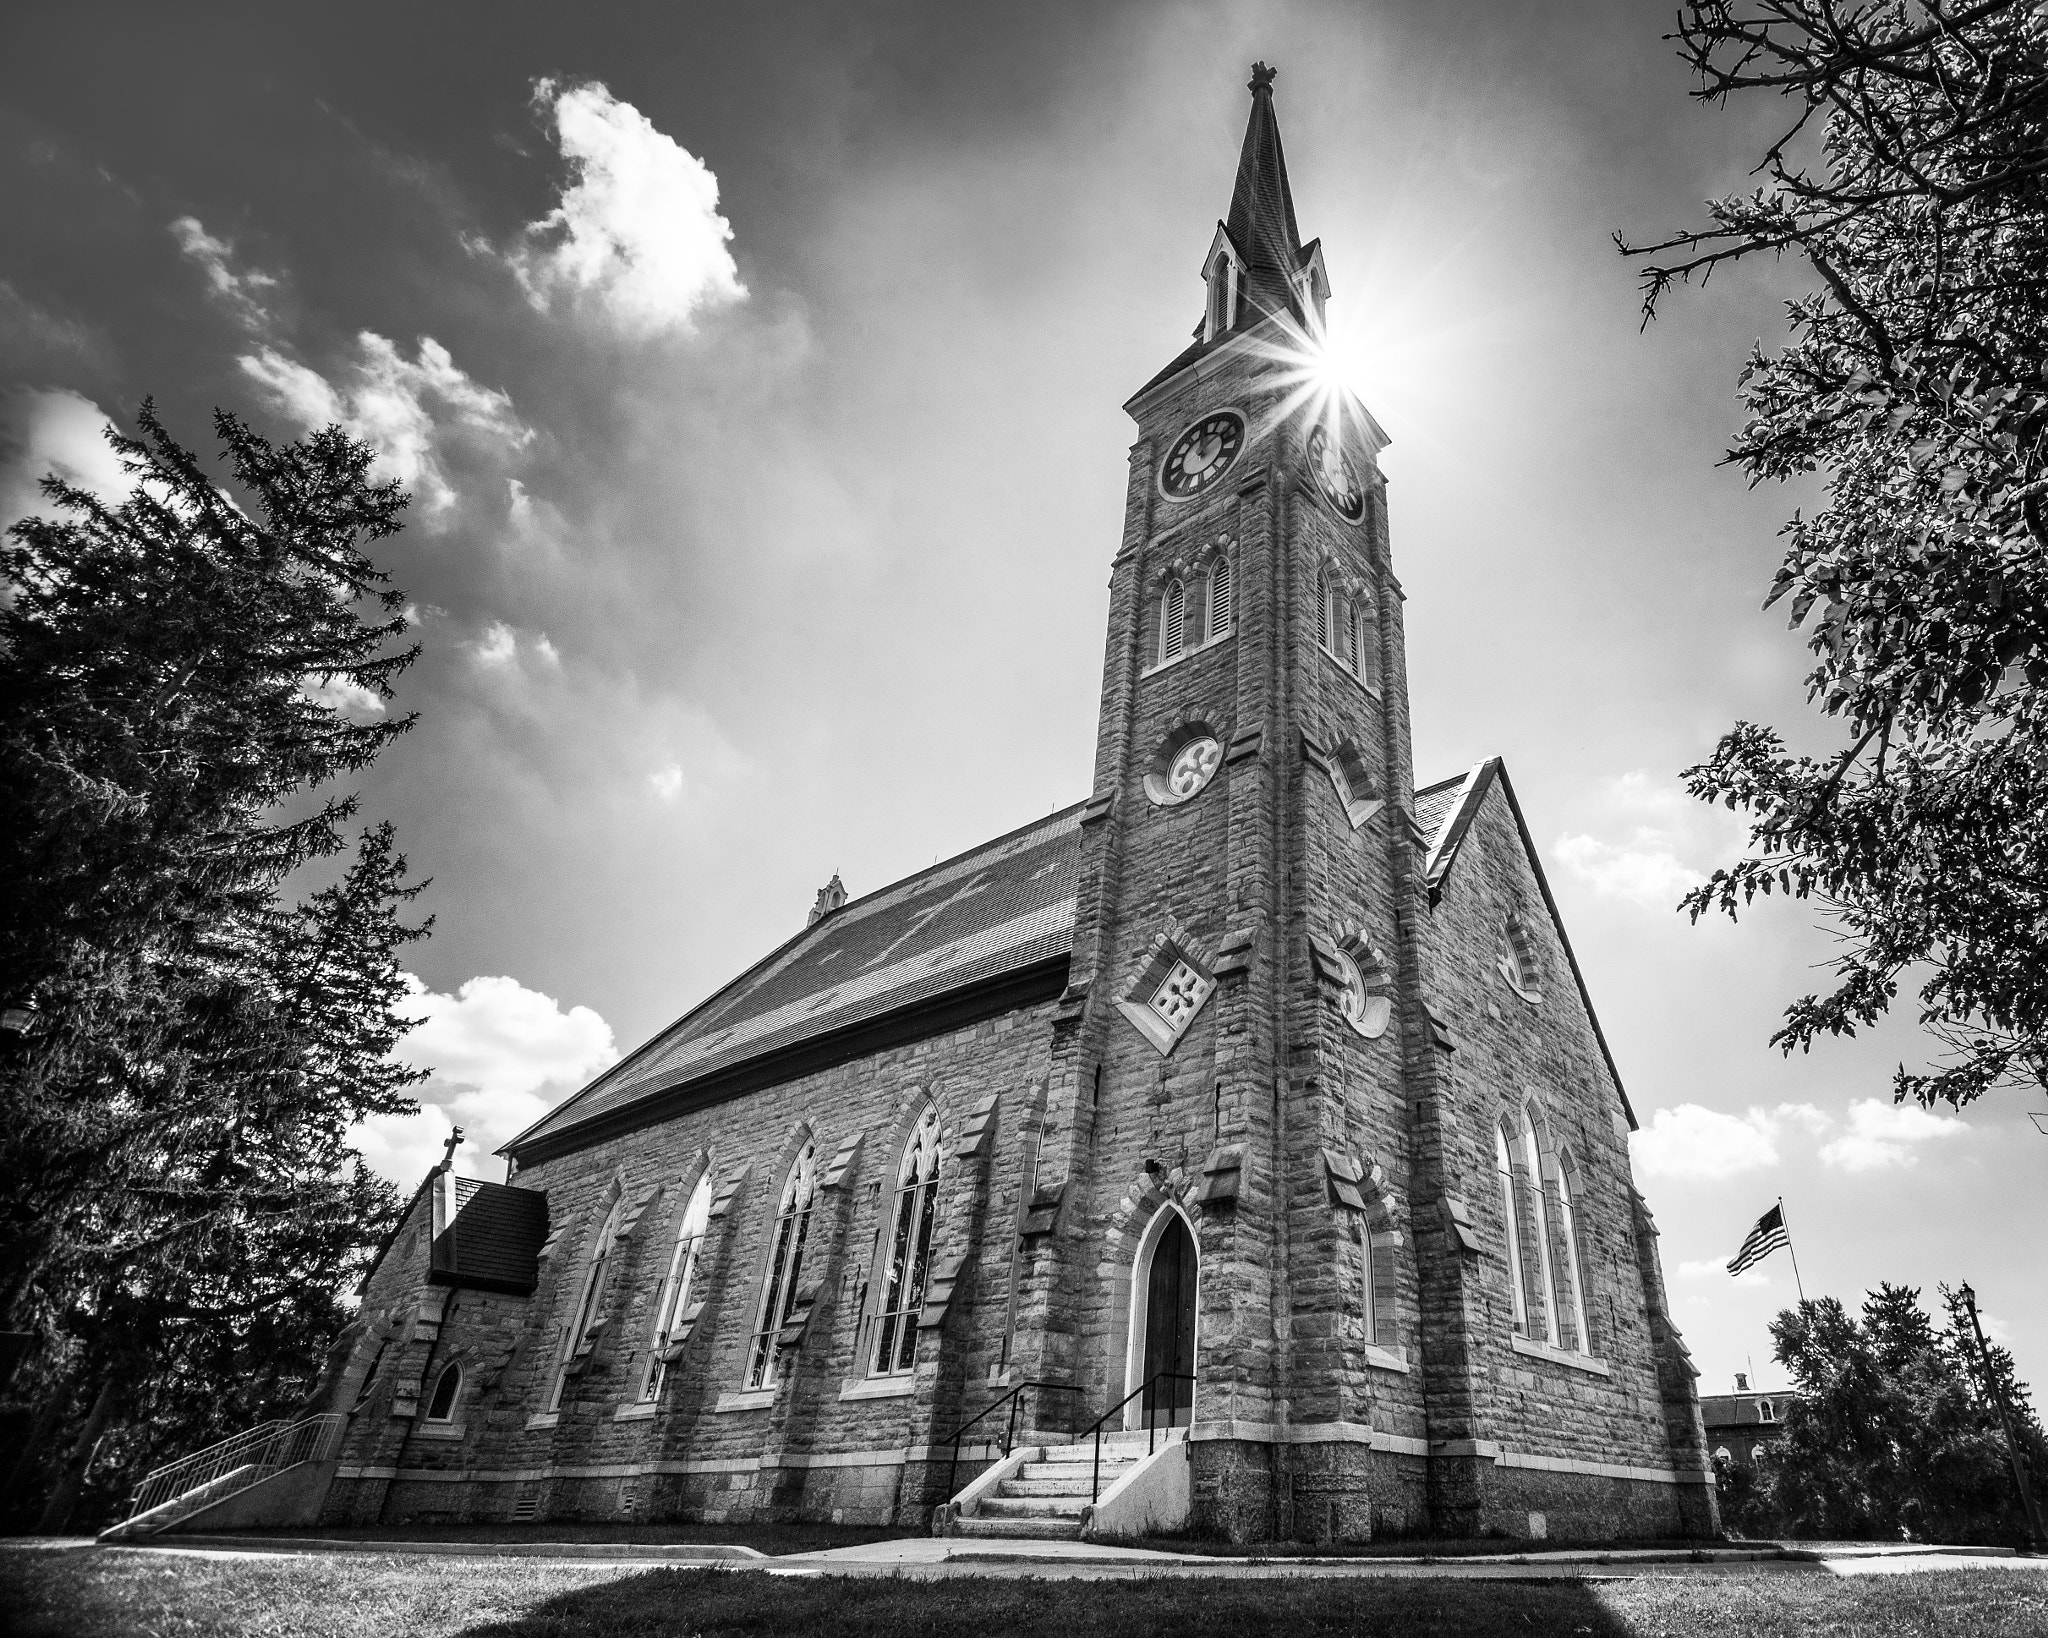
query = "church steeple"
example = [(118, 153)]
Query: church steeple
[(1257, 267)]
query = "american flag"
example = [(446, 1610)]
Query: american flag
[(1765, 1238)]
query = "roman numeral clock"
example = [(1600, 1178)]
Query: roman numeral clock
[(1201, 455)]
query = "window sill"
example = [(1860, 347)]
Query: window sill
[(879, 1387), (1187, 654), (542, 1419), (1559, 1356), (634, 1413), (438, 1430), (743, 1399), (1345, 670), (1386, 1359)]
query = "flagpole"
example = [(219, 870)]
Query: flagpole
[(1796, 1280)]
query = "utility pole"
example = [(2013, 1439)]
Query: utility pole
[(2012, 1448)]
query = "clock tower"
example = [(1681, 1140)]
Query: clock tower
[(1274, 1189)]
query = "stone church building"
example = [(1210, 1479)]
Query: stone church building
[(1252, 1109)]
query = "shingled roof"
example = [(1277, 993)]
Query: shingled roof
[(984, 932)]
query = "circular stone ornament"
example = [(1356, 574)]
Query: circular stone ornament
[(1201, 455), (1335, 480), (1191, 769), (1366, 1013)]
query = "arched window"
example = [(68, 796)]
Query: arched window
[(1219, 598), (1531, 1179), (1322, 610), (785, 1265), (1510, 1211), (1370, 1308), (581, 1335), (1574, 1263), (1515, 956), (1365, 642), (1173, 621), (447, 1389), (908, 1250), (1344, 618), (673, 1301), (1222, 290), (1766, 1411)]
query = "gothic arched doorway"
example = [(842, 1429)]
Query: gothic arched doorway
[(1163, 1309)]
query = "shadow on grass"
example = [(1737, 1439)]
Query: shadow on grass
[(723, 1604)]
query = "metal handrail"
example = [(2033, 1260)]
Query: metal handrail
[(263, 1450), (1014, 1399), (1151, 1426)]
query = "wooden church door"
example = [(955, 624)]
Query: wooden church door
[(1170, 1326)]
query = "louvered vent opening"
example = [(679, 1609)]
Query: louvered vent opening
[(1322, 611), (1173, 621), (526, 1507), (1219, 598), (1347, 650)]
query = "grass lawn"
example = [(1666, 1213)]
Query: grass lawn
[(114, 1595)]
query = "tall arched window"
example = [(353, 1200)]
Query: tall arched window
[(1219, 598), (1322, 610), (1222, 290), (1539, 1219), (1365, 642), (1575, 1267), (447, 1389), (1344, 618), (673, 1301), (1371, 1307), (589, 1310), (908, 1250), (1510, 1211), (785, 1265), (1173, 621)]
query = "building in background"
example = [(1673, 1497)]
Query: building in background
[(1743, 1426)]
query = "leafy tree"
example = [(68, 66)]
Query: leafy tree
[(1890, 1434), (181, 676), (1911, 176)]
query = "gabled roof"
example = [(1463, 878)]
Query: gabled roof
[(492, 1241), (1003, 912), (1446, 811)]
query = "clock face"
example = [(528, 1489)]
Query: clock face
[(1201, 455), (1334, 476)]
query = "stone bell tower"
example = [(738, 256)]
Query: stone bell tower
[(1234, 1039)]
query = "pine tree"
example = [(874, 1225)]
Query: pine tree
[(182, 679)]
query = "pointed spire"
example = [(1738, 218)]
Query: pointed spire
[(1261, 223)]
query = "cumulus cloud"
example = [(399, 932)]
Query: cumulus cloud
[(235, 289), (1693, 1142), (501, 1056), (667, 782), (44, 430), (1652, 836), (408, 409), (1883, 1136), (341, 694), (637, 237), (498, 649)]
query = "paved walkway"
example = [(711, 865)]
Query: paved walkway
[(929, 1557)]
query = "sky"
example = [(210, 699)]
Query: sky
[(756, 374)]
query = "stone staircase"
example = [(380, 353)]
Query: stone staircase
[(1047, 1494)]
